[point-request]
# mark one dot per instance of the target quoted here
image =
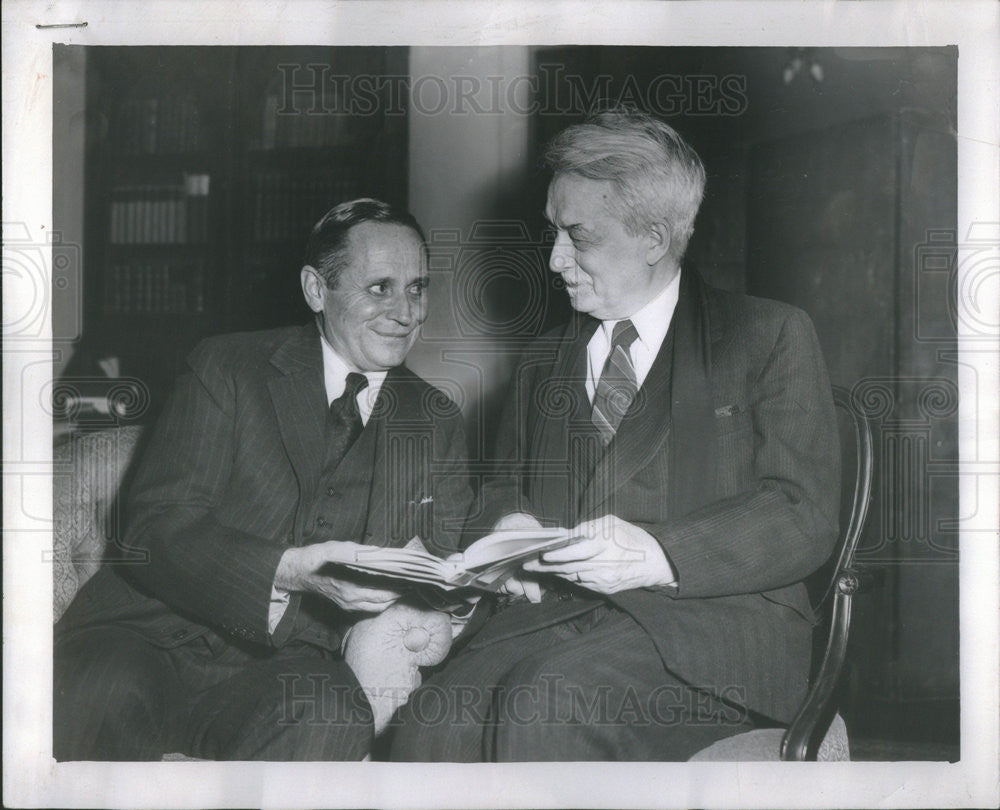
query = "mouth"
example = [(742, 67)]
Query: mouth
[(394, 335)]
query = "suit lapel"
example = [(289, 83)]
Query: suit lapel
[(691, 483), (377, 529), (397, 404), (299, 399), (557, 424), (640, 435), (675, 401)]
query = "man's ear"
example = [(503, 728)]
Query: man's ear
[(313, 288), (659, 243)]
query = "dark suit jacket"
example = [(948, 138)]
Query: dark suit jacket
[(728, 457), (233, 475)]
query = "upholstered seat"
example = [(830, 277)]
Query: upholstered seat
[(764, 744)]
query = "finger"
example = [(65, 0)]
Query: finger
[(532, 590), (377, 595), (370, 607), (513, 587), (584, 550), (363, 593), (570, 569), (338, 551), (599, 528)]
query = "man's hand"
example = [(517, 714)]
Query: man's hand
[(520, 586), (299, 570), (613, 556)]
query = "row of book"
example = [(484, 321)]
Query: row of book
[(157, 288), (174, 213), (305, 125), (151, 126), (287, 207)]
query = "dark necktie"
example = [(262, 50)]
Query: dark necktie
[(343, 420), (617, 387)]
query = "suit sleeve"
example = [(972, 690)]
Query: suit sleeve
[(451, 491), (212, 573), (502, 491), (784, 527)]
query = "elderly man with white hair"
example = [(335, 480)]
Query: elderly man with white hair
[(687, 437)]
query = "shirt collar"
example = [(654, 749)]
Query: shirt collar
[(335, 372), (653, 320)]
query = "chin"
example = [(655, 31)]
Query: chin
[(388, 358), (582, 302), (591, 308)]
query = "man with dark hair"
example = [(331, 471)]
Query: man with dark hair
[(278, 451), (687, 436)]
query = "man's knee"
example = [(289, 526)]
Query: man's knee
[(549, 708), (441, 723), (111, 696), (534, 693), (306, 709), (331, 720)]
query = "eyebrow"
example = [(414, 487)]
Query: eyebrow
[(578, 225)]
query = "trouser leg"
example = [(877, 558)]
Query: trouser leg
[(604, 694), (445, 719), (297, 706), (113, 696)]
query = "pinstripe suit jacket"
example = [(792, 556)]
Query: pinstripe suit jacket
[(729, 457), (233, 475)]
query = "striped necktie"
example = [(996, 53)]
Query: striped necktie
[(617, 387), (343, 422)]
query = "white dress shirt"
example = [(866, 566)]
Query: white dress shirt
[(335, 372), (651, 322)]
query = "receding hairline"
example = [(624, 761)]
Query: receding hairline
[(609, 199), (349, 247)]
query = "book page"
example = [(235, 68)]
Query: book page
[(512, 544)]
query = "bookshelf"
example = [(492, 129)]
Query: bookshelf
[(205, 170)]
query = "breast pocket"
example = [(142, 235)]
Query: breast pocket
[(734, 449), (420, 516), (732, 419)]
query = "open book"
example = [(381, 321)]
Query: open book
[(484, 565)]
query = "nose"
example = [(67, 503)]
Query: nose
[(561, 259), (401, 310)]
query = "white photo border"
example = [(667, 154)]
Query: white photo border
[(32, 778)]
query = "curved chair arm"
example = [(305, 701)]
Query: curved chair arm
[(803, 738)]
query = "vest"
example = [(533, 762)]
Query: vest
[(336, 509)]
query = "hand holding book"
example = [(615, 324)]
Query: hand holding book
[(484, 565)]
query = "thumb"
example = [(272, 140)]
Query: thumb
[(532, 589)]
